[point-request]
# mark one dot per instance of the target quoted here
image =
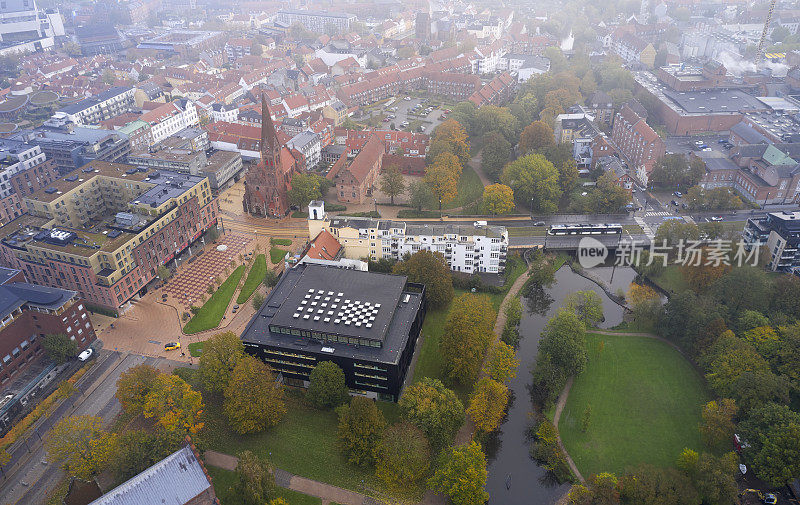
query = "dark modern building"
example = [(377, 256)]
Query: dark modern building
[(780, 232), (365, 322)]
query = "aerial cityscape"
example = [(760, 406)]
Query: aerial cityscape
[(396, 252)]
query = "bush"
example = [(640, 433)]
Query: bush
[(326, 387), (99, 309), (335, 207), (510, 335), (545, 450)]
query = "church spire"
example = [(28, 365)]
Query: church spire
[(269, 137)]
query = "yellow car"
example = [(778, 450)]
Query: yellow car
[(171, 346)]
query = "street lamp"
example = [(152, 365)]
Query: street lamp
[(440, 208), (531, 208)]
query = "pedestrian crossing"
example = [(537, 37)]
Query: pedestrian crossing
[(645, 227), (660, 213)]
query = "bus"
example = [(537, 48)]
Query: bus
[(585, 229)]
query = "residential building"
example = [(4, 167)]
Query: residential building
[(355, 177), (307, 143), (335, 111), (638, 142), (106, 105), (23, 21), (179, 479), (367, 323), (496, 92), (523, 66), (413, 145), (601, 107), (315, 21), (104, 230), (170, 118), (612, 165), (780, 233)]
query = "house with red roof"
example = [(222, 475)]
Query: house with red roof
[(355, 179), (636, 140)]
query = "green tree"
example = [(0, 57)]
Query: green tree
[(270, 278), (675, 171), (258, 300), (466, 336), (361, 427), (429, 268), (420, 195), (652, 485), (137, 450), (587, 305), (164, 273), (461, 475), (434, 409), (402, 457), (392, 182), (134, 385), (567, 175), (221, 354), (534, 181), (487, 404), (305, 187), (493, 118), (675, 231), (59, 347), (768, 430), (562, 352), (253, 398), (464, 113), (254, 482), (495, 154), (535, 136), (326, 385), (718, 426), (714, 478), (744, 288), (82, 445), (502, 363), (498, 199), (608, 196)]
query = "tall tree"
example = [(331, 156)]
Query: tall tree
[(305, 187), (714, 478), (137, 450), (442, 177), (466, 336), (487, 404), (221, 354), (402, 457), (326, 386), (134, 385), (361, 426), (502, 363), (175, 406), (495, 154), (434, 409), (587, 305), (652, 485), (420, 195), (392, 182), (59, 347), (83, 445), (464, 113), (491, 117), (453, 135), (498, 199), (535, 136), (255, 482), (608, 196), (253, 398), (718, 426), (461, 475), (429, 268), (534, 181)]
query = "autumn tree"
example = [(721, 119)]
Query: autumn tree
[(714, 478), (498, 199), (133, 387), (644, 303), (361, 426), (402, 457), (326, 385), (452, 135), (536, 135), (718, 426), (567, 175), (502, 363), (434, 409), (461, 475), (675, 171), (83, 445), (429, 268), (442, 177), (493, 118), (464, 113), (137, 450), (534, 181), (466, 336), (587, 305), (254, 482), (253, 398), (174, 405), (652, 485), (305, 188), (221, 354), (495, 154), (601, 488), (487, 404), (702, 276), (771, 430), (59, 347), (392, 182), (608, 196)]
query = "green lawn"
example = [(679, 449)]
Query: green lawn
[(223, 480), (254, 278), (645, 405), (196, 348), (470, 189), (210, 314), (671, 280), (276, 255), (281, 241)]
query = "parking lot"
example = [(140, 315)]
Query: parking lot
[(685, 145), (409, 114)]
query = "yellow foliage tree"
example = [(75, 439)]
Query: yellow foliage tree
[(535, 136), (466, 336), (498, 199), (502, 363), (253, 400), (83, 445), (133, 386), (442, 177), (174, 404), (455, 137), (487, 404)]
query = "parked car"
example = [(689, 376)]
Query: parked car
[(85, 354), (407, 99), (171, 346), (698, 143), (716, 218), (538, 223)]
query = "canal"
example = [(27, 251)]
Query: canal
[(514, 477)]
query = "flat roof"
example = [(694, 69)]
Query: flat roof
[(714, 100), (370, 294), (84, 175)]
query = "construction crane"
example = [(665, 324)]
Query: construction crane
[(759, 52)]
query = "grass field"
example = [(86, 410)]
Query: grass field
[(210, 314), (671, 280), (645, 405), (276, 255), (223, 480), (283, 241), (470, 189), (254, 278), (196, 348)]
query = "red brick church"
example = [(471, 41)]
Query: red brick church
[(267, 185)]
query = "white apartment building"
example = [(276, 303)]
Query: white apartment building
[(106, 105), (22, 20), (308, 144), (170, 118), (467, 249)]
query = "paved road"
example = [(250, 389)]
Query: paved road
[(33, 476)]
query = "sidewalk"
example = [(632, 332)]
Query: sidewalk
[(325, 492)]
